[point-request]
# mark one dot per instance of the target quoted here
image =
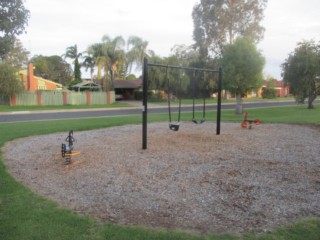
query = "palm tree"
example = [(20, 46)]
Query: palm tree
[(113, 56), (110, 58), (89, 63), (137, 49), (72, 53), (96, 53)]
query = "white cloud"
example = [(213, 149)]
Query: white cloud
[(287, 22), (56, 25)]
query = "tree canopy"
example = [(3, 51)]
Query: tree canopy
[(301, 71), (114, 57), (13, 20), (220, 22), (10, 83), (242, 66), (53, 68), (18, 56)]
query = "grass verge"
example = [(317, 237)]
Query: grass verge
[(62, 107), (25, 215)]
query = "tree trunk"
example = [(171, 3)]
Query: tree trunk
[(239, 108), (311, 98)]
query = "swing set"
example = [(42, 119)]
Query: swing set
[(174, 126)]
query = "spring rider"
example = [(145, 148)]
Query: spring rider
[(67, 150), (247, 123)]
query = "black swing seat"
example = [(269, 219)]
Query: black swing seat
[(174, 126), (200, 122)]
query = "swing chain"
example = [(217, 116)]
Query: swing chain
[(174, 126)]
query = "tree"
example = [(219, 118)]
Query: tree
[(13, 19), (89, 64), (18, 56), (242, 66), (301, 71), (157, 78), (109, 56), (72, 53), (220, 22), (10, 83), (113, 57), (186, 54), (53, 68), (95, 53), (137, 49)]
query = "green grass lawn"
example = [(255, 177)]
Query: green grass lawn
[(25, 215)]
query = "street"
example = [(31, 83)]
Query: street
[(94, 113)]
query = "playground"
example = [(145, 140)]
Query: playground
[(191, 179)]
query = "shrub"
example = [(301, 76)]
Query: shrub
[(269, 93)]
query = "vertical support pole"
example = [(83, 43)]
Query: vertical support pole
[(108, 97), (88, 95), (13, 100), (144, 103), (39, 98), (219, 101), (65, 98)]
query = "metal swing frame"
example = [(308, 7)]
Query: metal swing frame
[(145, 95)]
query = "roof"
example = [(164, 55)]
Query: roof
[(85, 84), (128, 84), (25, 73), (48, 81)]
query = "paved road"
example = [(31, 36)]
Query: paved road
[(94, 113)]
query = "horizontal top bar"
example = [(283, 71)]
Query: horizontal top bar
[(180, 67)]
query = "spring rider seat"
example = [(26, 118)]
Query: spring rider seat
[(247, 123), (67, 150)]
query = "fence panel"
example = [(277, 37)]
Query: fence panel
[(98, 98), (77, 98), (52, 98), (4, 100), (56, 98), (26, 99), (112, 97)]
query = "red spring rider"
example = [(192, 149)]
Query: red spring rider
[(247, 123)]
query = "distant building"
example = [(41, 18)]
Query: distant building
[(126, 89), (33, 83)]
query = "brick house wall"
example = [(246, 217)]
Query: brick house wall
[(33, 83)]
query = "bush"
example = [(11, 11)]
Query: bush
[(269, 93), (138, 95)]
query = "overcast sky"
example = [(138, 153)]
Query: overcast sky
[(55, 25)]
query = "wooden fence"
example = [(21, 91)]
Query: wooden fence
[(57, 98)]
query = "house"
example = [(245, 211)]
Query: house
[(33, 83), (126, 89)]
